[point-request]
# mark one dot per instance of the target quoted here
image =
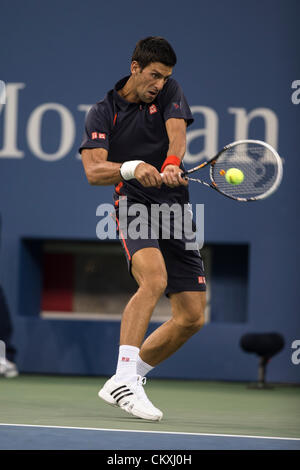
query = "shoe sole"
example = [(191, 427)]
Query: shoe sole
[(110, 401)]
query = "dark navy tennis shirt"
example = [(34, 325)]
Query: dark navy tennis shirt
[(137, 131)]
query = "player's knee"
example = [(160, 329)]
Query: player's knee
[(195, 323), (193, 320), (199, 316), (155, 284), (158, 284), (199, 323)]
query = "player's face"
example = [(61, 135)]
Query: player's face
[(150, 80)]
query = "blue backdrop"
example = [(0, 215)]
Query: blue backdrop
[(237, 61)]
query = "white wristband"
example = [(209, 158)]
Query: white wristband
[(128, 168)]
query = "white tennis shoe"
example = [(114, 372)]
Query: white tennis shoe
[(130, 396), (8, 369)]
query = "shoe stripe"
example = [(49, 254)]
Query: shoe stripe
[(116, 389), (122, 391), (123, 396)]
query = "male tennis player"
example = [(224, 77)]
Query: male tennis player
[(134, 135)]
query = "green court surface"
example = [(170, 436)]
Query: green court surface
[(188, 406)]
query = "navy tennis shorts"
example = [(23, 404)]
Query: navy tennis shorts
[(184, 266)]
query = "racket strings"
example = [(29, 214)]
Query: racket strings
[(258, 164)]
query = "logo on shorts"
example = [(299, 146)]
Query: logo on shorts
[(125, 359), (176, 105), (152, 109), (201, 280), (98, 135)]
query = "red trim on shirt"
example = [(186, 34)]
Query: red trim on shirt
[(118, 188)]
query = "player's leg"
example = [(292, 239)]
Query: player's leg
[(125, 388), (186, 290), (148, 269), (187, 319)]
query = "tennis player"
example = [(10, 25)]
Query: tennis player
[(135, 139)]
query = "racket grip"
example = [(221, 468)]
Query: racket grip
[(182, 174)]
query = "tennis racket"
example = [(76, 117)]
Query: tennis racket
[(260, 163)]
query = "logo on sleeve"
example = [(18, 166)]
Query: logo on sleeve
[(152, 109), (176, 105), (98, 135)]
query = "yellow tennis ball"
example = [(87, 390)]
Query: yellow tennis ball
[(234, 176)]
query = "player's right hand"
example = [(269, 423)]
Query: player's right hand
[(148, 175)]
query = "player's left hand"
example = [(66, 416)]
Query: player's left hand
[(172, 176)]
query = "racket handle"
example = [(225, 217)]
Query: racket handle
[(182, 174)]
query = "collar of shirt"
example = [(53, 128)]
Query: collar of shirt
[(121, 102)]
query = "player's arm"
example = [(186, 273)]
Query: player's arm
[(176, 130), (101, 172), (97, 169)]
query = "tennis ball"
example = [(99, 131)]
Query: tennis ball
[(234, 176)]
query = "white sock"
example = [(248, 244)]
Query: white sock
[(126, 368), (142, 368)]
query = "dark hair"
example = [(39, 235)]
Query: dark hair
[(154, 49)]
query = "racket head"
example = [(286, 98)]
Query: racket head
[(260, 164)]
